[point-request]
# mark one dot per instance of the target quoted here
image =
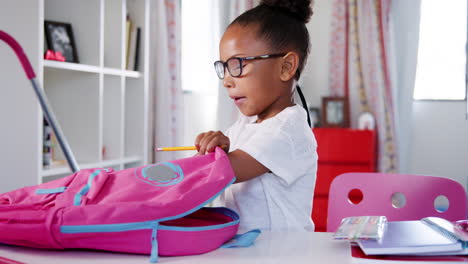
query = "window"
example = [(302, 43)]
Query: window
[(200, 36), (440, 73)]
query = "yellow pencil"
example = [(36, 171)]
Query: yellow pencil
[(185, 148), (176, 148)]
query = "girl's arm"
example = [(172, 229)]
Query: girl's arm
[(245, 166)]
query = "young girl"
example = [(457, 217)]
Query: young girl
[(271, 148)]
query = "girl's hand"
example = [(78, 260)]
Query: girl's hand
[(206, 142)]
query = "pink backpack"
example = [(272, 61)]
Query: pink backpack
[(155, 209)]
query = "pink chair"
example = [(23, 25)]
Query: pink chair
[(397, 196)]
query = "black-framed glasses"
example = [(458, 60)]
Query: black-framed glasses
[(235, 64)]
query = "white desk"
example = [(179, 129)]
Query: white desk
[(270, 247)]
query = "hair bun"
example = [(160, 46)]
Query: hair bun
[(301, 9)]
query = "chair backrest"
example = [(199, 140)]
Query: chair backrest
[(380, 193)]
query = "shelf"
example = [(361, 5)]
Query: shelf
[(131, 74), (64, 169), (71, 66), (89, 68)]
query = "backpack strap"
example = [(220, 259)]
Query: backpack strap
[(154, 242), (243, 240), (304, 103), (51, 191)]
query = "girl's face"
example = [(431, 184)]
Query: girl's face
[(259, 90)]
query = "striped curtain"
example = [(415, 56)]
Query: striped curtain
[(166, 87), (361, 69)]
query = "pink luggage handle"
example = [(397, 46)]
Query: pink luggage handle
[(20, 53), (42, 99)]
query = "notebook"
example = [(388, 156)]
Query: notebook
[(359, 257), (428, 236)]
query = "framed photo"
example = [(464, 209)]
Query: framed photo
[(314, 116), (59, 37), (335, 112)]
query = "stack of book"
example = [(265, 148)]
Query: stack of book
[(359, 257), (430, 239)]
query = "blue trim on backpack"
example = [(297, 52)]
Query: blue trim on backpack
[(51, 191), (76, 229), (243, 240), (85, 189), (154, 243)]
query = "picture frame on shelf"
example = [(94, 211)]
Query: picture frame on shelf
[(59, 37), (315, 116), (335, 112)]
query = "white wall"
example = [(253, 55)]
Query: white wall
[(19, 107), (433, 134), (315, 78), (439, 140), (199, 117)]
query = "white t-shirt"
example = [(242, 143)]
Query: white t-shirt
[(280, 199)]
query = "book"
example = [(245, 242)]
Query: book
[(128, 33), (134, 50), (359, 257), (428, 236), (137, 50)]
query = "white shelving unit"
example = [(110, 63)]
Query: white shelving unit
[(98, 102)]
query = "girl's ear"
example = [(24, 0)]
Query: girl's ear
[(289, 66)]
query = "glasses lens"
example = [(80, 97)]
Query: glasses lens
[(234, 67), (219, 67)]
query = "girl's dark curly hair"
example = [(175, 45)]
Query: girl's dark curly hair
[(282, 23)]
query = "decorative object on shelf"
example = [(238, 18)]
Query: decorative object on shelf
[(51, 55), (60, 38), (104, 152), (46, 144), (315, 116), (366, 121), (335, 112)]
